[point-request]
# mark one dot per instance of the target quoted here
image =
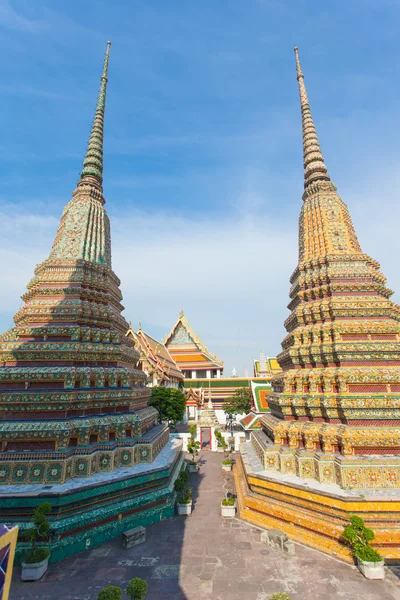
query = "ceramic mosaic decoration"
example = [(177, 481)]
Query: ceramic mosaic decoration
[(335, 408), (73, 401)]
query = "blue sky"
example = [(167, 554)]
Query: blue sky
[(203, 157)]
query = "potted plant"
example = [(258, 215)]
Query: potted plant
[(111, 592), (185, 502), (228, 507), (221, 443), (227, 464), (36, 561), (181, 481), (193, 449), (358, 537), (137, 589)]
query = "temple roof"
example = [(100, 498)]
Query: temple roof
[(260, 393), (272, 367), (156, 354), (250, 422), (187, 346)]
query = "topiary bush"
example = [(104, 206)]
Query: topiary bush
[(220, 439), (280, 596), (111, 592), (181, 481), (37, 533), (186, 496), (358, 537), (228, 502), (137, 589)]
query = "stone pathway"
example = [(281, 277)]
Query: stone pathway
[(204, 557)]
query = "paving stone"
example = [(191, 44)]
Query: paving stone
[(206, 557)]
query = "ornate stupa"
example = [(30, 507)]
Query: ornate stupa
[(74, 406), (334, 426)]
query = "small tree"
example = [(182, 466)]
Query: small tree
[(221, 443), (193, 444), (358, 536), (169, 402), (111, 592), (239, 403), (39, 532), (181, 481), (137, 589)]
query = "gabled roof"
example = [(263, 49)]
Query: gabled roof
[(183, 335), (271, 364), (250, 422), (260, 393), (156, 354)]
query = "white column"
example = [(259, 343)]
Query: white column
[(218, 374), (208, 374), (193, 374)]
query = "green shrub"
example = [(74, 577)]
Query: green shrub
[(193, 444), (137, 589), (193, 431), (358, 537), (186, 496), (111, 592), (369, 554), (228, 502), (227, 462), (181, 481), (220, 439), (37, 555), (37, 533), (280, 596)]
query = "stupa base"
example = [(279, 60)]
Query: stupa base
[(98, 508), (312, 513)]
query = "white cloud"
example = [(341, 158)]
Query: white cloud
[(10, 18), (229, 273)]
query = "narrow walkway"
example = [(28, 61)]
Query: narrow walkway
[(204, 557)]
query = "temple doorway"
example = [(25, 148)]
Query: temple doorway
[(205, 438)]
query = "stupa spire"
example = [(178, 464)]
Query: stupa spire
[(93, 161), (314, 165)]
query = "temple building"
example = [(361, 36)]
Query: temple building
[(266, 367), (155, 360), (74, 417), (204, 383), (187, 350), (330, 447)]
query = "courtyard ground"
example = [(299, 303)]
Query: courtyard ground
[(204, 557)]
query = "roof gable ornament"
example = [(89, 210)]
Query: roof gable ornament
[(182, 333)]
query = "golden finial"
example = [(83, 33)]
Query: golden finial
[(314, 166), (93, 161)]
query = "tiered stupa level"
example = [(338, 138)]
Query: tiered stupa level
[(340, 387), (74, 414), (331, 444), (73, 402)]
